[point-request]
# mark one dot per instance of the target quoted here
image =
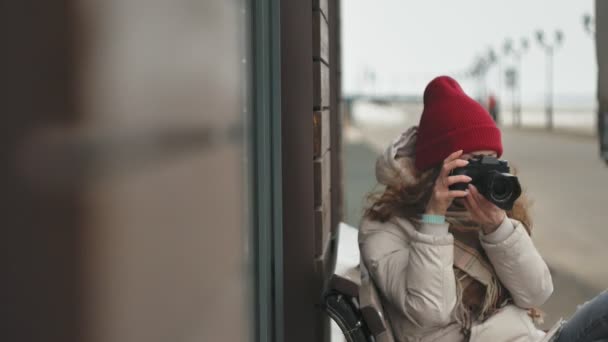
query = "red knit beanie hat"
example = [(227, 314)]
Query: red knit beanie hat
[(452, 121)]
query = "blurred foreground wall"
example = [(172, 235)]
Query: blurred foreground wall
[(124, 165)]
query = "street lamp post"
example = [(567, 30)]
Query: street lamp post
[(491, 59), (549, 51), (588, 24), (509, 49), (524, 48), (478, 71)]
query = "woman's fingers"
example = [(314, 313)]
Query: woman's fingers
[(486, 205), (442, 197), (448, 160), (457, 194), (474, 215), (474, 192), (482, 210), (458, 179), (481, 201), (449, 166), (453, 156), (469, 209), (472, 201), (467, 205), (479, 207)]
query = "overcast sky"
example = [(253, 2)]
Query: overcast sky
[(408, 42)]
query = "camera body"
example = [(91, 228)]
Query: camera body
[(493, 180)]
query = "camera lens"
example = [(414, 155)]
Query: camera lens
[(501, 189)]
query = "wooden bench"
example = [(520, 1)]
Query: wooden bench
[(351, 298)]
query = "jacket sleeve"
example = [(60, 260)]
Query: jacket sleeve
[(518, 264), (415, 275)]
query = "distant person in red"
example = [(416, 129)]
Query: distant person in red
[(493, 107)]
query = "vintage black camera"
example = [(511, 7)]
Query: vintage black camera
[(493, 180)]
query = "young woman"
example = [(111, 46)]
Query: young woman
[(449, 264)]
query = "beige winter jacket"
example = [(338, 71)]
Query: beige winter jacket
[(413, 272)]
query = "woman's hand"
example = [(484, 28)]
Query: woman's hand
[(442, 196), (482, 211)]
